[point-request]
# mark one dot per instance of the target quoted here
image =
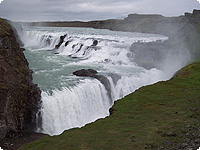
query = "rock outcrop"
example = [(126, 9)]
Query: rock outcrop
[(19, 97), (61, 41), (85, 73), (95, 42), (93, 74)]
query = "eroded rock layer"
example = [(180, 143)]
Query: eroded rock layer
[(19, 97)]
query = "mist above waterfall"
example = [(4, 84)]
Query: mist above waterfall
[(161, 55)]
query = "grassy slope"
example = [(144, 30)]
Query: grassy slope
[(145, 118)]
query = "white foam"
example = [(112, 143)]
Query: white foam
[(88, 101), (130, 83), (73, 107)]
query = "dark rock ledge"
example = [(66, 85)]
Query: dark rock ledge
[(93, 74), (19, 97)]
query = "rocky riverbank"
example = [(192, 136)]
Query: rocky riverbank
[(19, 97)]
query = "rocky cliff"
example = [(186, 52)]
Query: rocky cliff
[(19, 97), (156, 24)]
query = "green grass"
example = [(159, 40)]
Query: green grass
[(143, 118)]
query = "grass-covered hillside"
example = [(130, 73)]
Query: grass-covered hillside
[(154, 117)]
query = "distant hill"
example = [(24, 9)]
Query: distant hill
[(180, 30), (152, 23)]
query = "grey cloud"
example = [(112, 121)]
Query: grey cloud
[(37, 10)]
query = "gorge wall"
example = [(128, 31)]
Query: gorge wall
[(19, 97)]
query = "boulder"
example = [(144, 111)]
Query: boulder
[(85, 72), (95, 42)]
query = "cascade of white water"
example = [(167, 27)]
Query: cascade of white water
[(73, 107), (128, 84), (75, 102)]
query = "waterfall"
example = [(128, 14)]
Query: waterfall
[(69, 101)]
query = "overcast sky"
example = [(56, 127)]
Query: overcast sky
[(66, 10)]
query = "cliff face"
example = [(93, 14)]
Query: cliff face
[(156, 24), (183, 31), (19, 97)]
